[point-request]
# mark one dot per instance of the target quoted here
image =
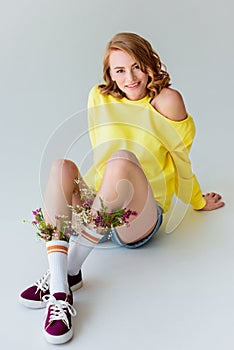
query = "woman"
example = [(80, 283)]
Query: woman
[(141, 135)]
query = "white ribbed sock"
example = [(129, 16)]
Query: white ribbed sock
[(57, 256), (80, 247)]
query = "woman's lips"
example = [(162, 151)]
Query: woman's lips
[(132, 86)]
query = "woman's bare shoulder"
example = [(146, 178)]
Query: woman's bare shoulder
[(169, 103)]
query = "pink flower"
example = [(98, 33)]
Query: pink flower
[(35, 222)]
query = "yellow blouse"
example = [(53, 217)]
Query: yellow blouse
[(161, 145)]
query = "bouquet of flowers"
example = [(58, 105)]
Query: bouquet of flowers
[(101, 219), (48, 232), (82, 214)]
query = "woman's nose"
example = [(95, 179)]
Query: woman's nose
[(130, 76)]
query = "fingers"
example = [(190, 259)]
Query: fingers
[(213, 201), (213, 196), (219, 205), (216, 197)]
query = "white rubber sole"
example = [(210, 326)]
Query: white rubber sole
[(58, 339), (77, 286), (32, 304)]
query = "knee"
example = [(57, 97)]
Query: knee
[(122, 161), (64, 168), (124, 156)]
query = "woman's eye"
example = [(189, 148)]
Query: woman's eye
[(119, 71), (136, 67)]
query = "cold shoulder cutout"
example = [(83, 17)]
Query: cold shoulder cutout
[(170, 104)]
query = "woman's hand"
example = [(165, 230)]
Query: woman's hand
[(213, 201)]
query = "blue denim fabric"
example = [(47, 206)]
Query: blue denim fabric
[(115, 238)]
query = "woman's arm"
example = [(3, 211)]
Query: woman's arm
[(170, 104)]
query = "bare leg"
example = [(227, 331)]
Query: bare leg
[(61, 190), (125, 185)]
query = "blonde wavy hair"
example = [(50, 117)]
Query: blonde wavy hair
[(147, 59)]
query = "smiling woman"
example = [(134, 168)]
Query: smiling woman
[(141, 135), (127, 74), (146, 59)]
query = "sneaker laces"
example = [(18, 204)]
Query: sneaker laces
[(42, 283), (58, 310)]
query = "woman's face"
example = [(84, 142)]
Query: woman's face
[(127, 75)]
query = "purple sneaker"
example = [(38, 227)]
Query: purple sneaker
[(75, 282), (58, 326), (32, 297)]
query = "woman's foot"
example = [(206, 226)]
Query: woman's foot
[(58, 325), (32, 296)]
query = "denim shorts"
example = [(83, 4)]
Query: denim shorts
[(115, 237)]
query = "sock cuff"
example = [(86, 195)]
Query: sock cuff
[(91, 235), (57, 246)]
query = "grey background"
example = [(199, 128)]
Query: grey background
[(180, 296)]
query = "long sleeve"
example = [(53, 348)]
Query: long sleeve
[(187, 187)]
